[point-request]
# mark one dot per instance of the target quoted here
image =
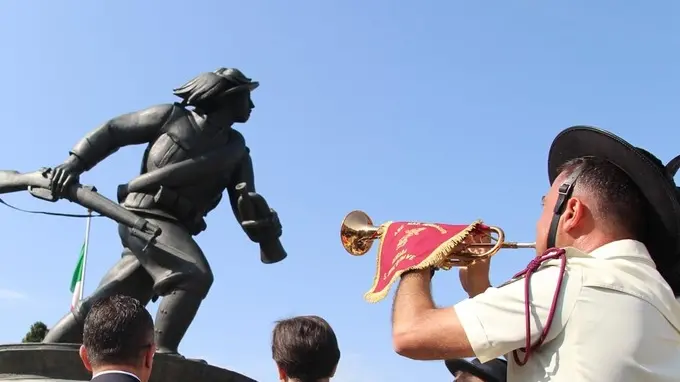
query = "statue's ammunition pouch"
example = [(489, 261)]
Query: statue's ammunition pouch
[(169, 199), (170, 204), (181, 208)]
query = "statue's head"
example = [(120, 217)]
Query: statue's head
[(223, 89)]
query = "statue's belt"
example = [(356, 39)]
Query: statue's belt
[(170, 204), (185, 172)]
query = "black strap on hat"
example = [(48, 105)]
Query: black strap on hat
[(564, 194), (567, 189)]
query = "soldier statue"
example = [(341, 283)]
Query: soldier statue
[(173, 266)]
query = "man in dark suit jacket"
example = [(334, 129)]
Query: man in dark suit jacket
[(118, 341)]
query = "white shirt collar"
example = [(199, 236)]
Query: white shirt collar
[(115, 372), (627, 248)]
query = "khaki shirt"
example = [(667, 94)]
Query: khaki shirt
[(616, 320)]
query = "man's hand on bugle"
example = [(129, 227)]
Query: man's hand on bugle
[(475, 277)]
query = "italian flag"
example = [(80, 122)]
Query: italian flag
[(79, 272), (78, 275)]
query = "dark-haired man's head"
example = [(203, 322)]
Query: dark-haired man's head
[(606, 205), (118, 335), (305, 349)]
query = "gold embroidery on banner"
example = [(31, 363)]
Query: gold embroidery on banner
[(401, 256), (403, 241), (434, 258), (437, 227), (416, 231), (407, 235)]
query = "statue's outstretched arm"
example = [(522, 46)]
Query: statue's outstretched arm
[(128, 129)]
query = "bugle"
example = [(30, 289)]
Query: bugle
[(358, 233)]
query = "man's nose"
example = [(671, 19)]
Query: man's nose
[(252, 105)]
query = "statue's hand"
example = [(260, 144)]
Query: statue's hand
[(265, 228), (64, 175)]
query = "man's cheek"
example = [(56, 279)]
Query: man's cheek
[(542, 226), (539, 222)]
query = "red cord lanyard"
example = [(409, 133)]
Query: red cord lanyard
[(550, 254)]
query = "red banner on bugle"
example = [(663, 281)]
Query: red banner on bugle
[(406, 246)]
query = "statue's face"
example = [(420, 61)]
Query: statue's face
[(242, 106)]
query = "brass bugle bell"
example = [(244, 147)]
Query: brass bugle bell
[(358, 233)]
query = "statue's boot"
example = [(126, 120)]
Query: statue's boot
[(69, 330), (175, 314)]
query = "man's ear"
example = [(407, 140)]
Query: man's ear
[(282, 373), (573, 215), (148, 357), (83, 356)]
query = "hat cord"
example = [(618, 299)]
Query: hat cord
[(534, 265), (564, 194)]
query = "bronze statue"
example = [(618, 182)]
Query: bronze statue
[(193, 154)]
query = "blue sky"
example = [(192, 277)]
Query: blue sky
[(433, 111)]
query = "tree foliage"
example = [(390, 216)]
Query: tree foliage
[(37, 333)]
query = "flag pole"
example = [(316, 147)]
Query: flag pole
[(85, 249)]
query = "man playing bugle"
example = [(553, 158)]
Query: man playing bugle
[(598, 302)]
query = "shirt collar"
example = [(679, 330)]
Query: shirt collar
[(624, 249), (115, 372)]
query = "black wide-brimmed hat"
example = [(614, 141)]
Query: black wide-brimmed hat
[(240, 81), (493, 371), (653, 178)]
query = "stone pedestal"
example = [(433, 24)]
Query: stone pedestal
[(61, 362)]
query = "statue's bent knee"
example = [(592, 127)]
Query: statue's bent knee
[(196, 282)]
